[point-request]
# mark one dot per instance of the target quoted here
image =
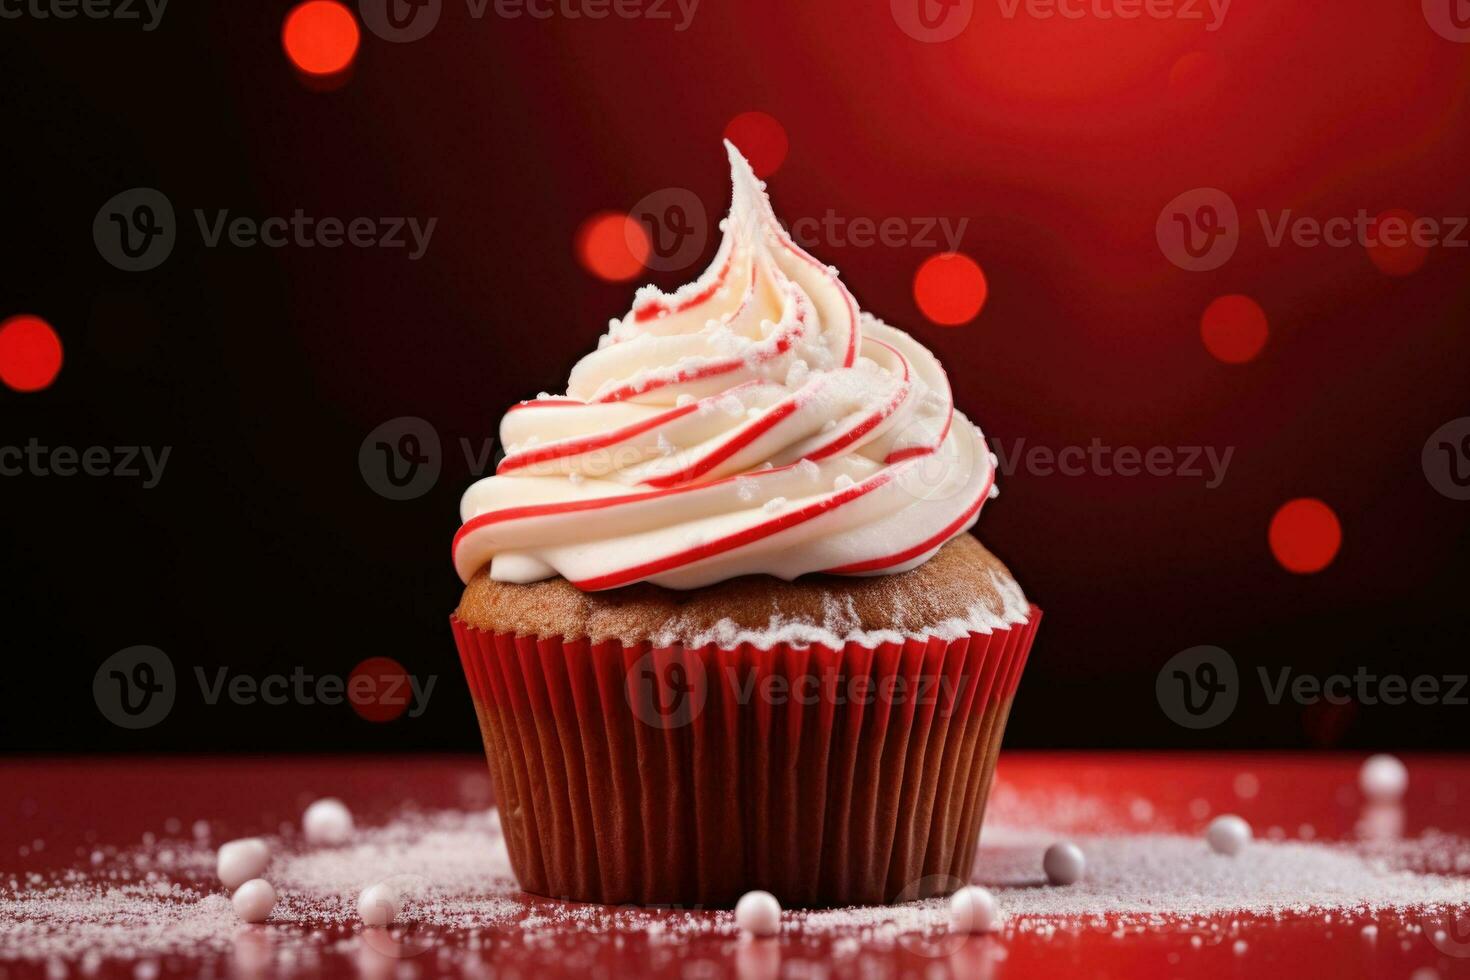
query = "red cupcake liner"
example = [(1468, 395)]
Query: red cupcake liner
[(628, 773)]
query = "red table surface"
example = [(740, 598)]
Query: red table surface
[(74, 805)]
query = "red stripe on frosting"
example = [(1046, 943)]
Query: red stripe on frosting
[(929, 544), (576, 447), (624, 576)]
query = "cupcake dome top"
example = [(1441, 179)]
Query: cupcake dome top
[(961, 591), (754, 421)]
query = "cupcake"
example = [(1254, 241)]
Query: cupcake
[(724, 624)]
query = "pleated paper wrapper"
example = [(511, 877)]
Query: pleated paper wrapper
[(672, 776)]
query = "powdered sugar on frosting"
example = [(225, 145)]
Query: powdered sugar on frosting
[(844, 429), (840, 625)]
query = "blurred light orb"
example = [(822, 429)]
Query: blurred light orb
[(1399, 241), (761, 138), (612, 246), (321, 37), (1063, 863), (30, 353), (1383, 778), (1305, 536), (1234, 329), (758, 914), (950, 289), (1228, 834)]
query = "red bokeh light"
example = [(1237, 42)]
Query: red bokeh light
[(950, 289), (378, 689), (1395, 245), (30, 353), (1305, 536), (1234, 329), (321, 37), (612, 246), (761, 138)]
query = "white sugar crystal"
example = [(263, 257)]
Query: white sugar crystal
[(1063, 863), (974, 909), (240, 860), (327, 821), (796, 375), (1383, 779), (774, 504), (1228, 834), (461, 884), (842, 482), (254, 900), (758, 914), (379, 904)]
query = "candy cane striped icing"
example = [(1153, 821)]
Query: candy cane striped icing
[(753, 421)]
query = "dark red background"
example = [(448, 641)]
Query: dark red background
[(1059, 140)]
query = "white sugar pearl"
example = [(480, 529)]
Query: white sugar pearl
[(240, 860), (1063, 863), (379, 905), (758, 914), (327, 821), (254, 900), (1383, 779), (1228, 834), (974, 909)]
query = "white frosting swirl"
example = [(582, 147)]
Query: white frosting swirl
[(752, 421)]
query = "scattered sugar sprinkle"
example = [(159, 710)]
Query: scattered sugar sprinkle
[(452, 873)]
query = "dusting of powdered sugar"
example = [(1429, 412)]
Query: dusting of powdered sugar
[(840, 624), (160, 901)]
